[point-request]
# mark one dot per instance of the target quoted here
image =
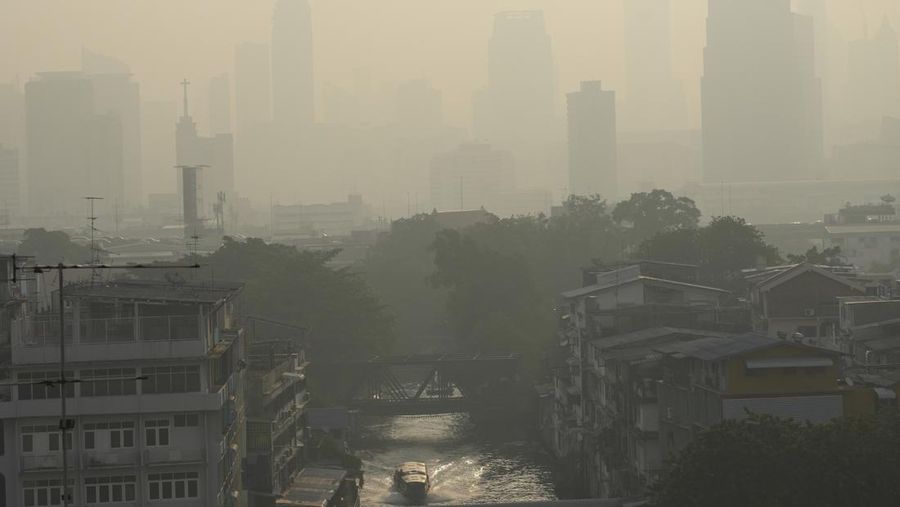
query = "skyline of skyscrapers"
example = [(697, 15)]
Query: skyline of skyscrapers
[(762, 102)]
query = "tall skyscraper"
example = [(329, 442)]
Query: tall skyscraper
[(516, 110), (654, 98), (593, 160), (873, 87), (293, 89), (762, 115), (219, 105), (252, 86), (71, 151)]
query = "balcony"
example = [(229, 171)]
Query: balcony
[(167, 456), (42, 462), (110, 459)]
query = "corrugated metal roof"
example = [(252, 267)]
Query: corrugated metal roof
[(715, 349), (632, 278)]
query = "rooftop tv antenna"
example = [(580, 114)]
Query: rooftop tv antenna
[(95, 252)]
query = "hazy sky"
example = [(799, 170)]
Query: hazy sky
[(444, 41)]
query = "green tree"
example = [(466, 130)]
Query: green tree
[(397, 268), (656, 212), (827, 257), (493, 303), (338, 308), (721, 249), (763, 461), (52, 247)]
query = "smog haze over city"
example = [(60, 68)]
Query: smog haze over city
[(405, 252)]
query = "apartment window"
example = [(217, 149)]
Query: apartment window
[(173, 485), (43, 492), (156, 433), (186, 420), (53, 443), (116, 434), (41, 439), (110, 489), (108, 382), (33, 385), (171, 379)]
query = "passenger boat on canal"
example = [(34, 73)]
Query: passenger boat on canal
[(412, 481)]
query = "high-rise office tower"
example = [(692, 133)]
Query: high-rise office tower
[(762, 115), (873, 87), (516, 110), (219, 105), (72, 152), (252, 86), (593, 167), (292, 64), (654, 98)]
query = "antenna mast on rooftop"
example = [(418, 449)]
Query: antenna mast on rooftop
[(95, 252)]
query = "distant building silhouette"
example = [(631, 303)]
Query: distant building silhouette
[(71, 151), (220, 105), (593, 167), (10, 185), (419, 106), (12, 115), (516, 110), (118, 95), (873, 80), (470, 177), (216, 152), (157, 131), (252, 86), (654, 98), (292, 64), (762, 116)]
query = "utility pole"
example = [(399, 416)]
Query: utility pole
[(95, 253), (64, 423)]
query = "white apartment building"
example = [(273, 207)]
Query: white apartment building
[(157, 404)]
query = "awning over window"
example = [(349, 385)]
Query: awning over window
[(789, 362)]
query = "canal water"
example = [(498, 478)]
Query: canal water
[(468, 463)]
